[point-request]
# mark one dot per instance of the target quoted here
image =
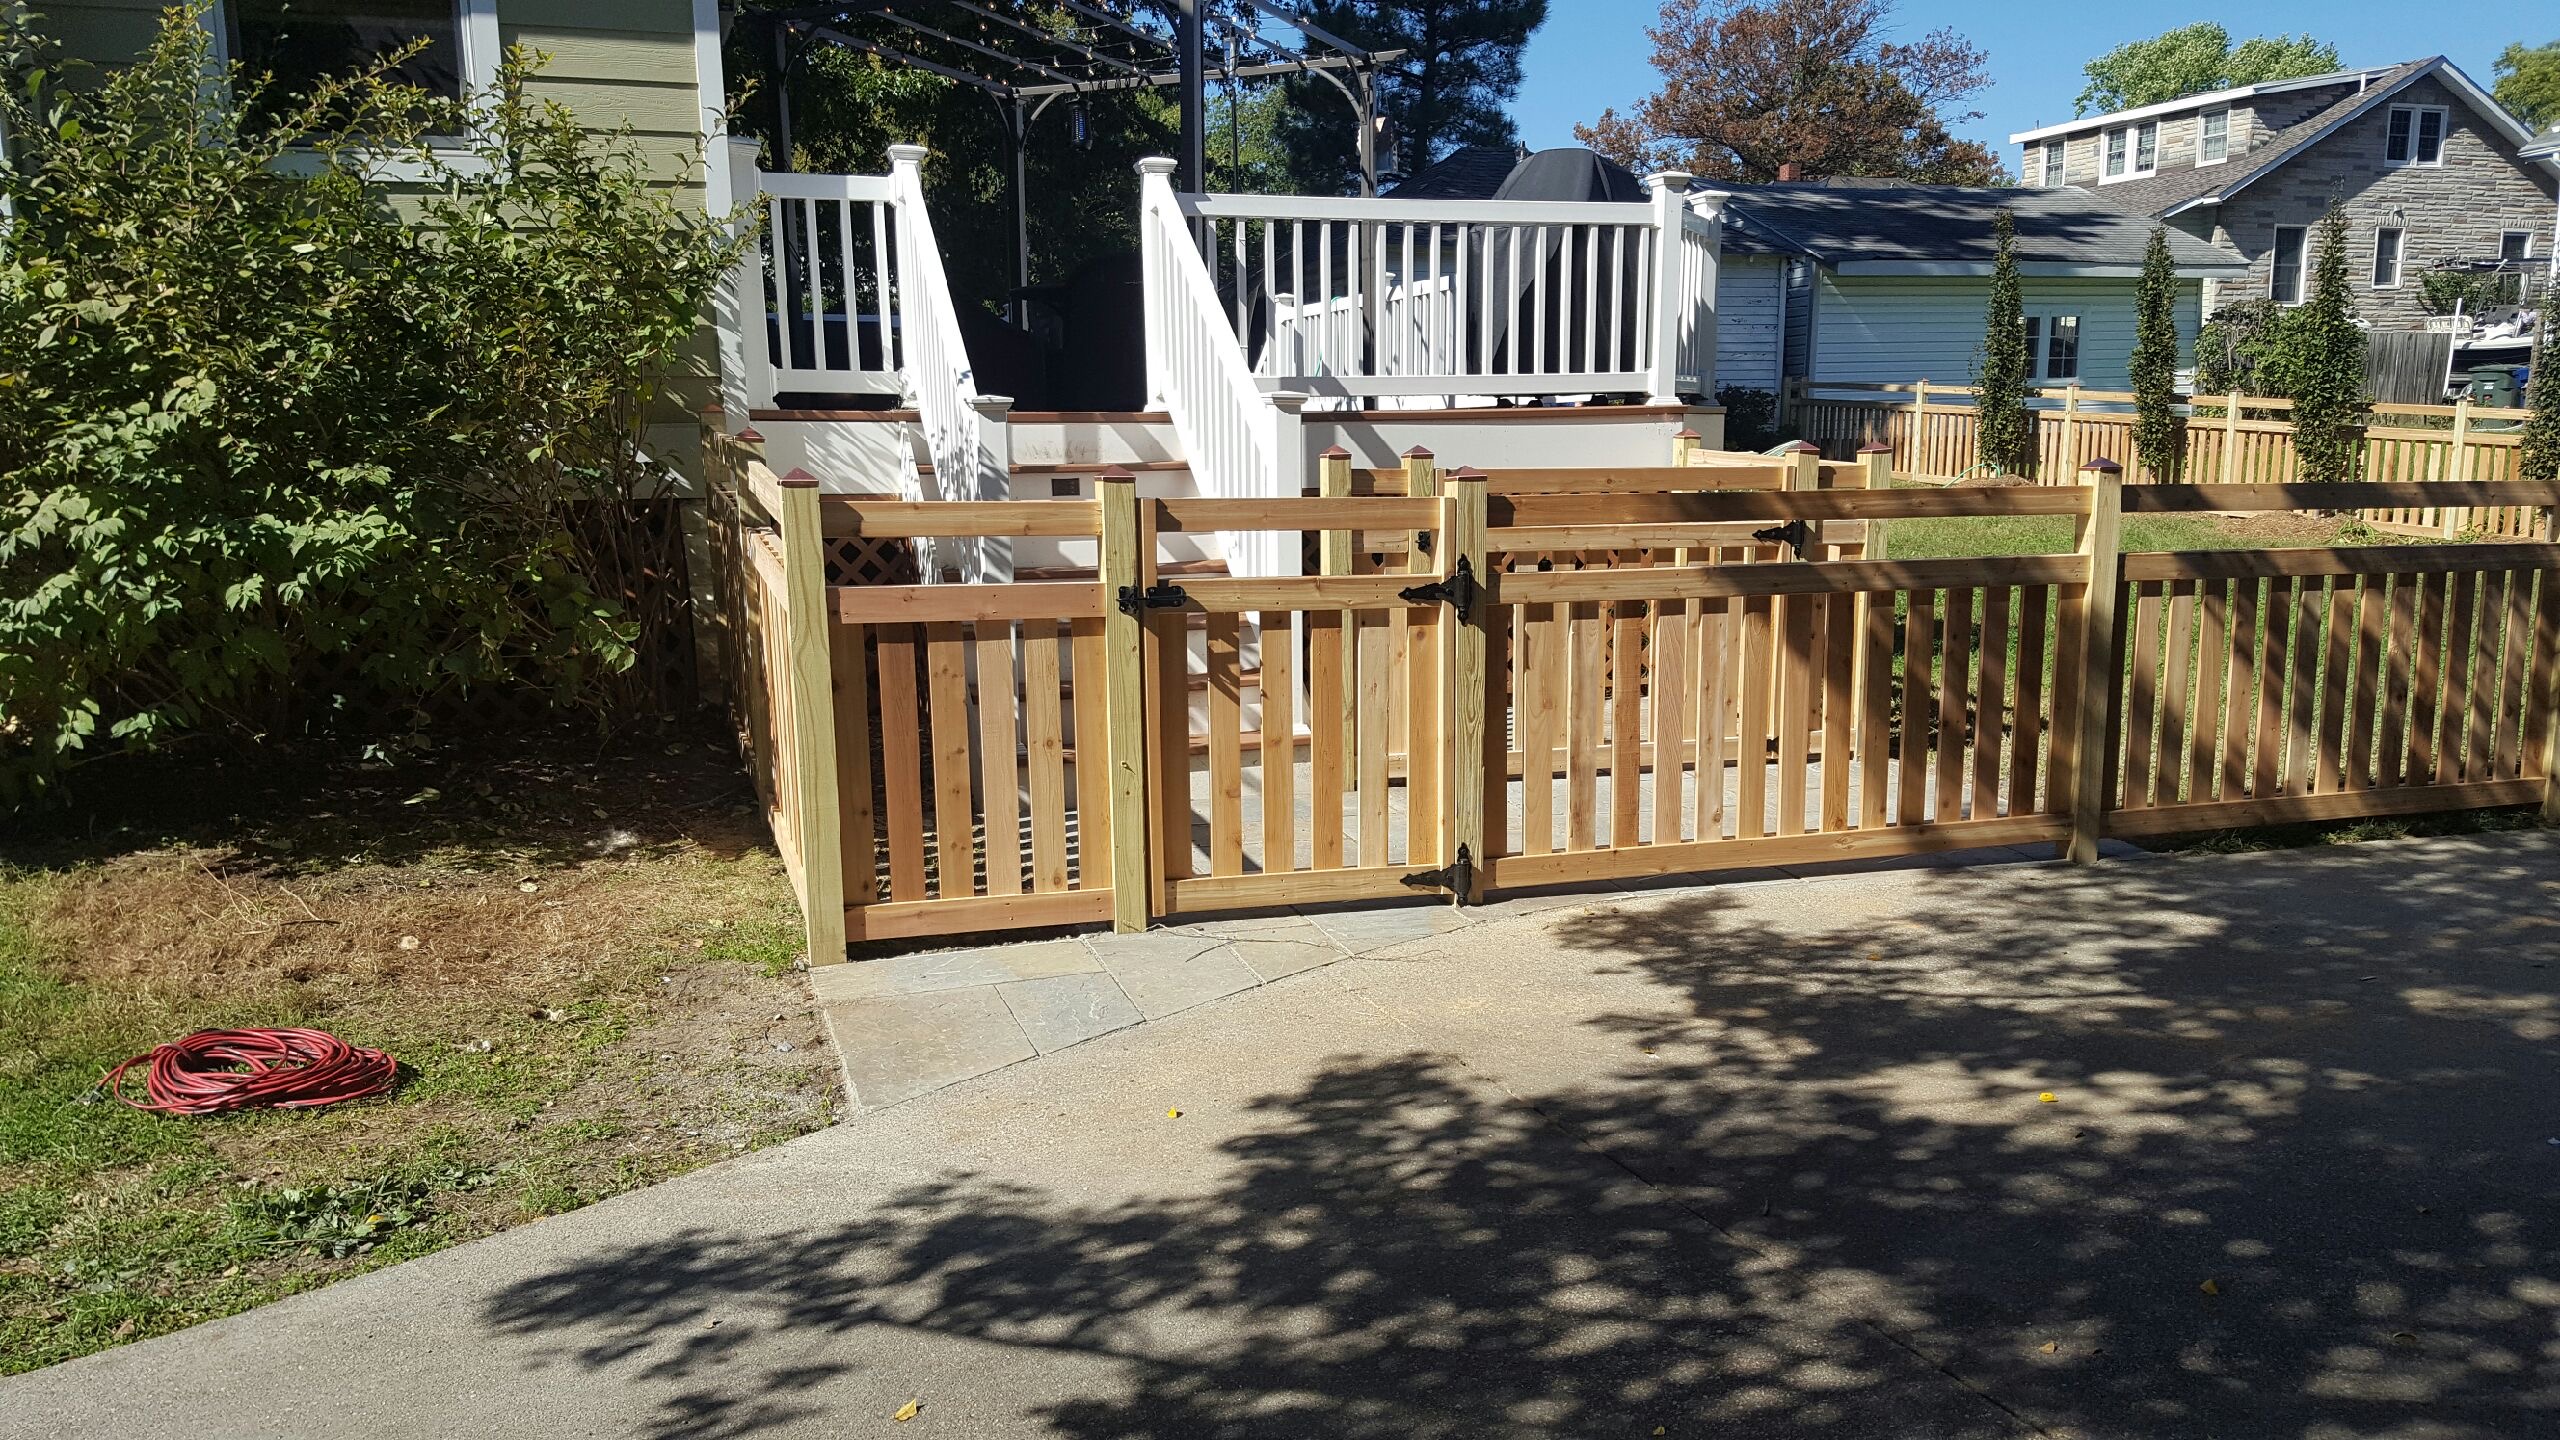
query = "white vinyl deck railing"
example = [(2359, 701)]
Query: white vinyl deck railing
[(830, 283), (1230, 429), (939, 380), (1449, 297)]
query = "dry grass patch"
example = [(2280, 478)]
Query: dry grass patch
[(585, 962)]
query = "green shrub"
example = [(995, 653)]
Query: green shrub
[(2005, 427), (2158, 429), (2315, 358), (264, 420), (2541, 457), (1750, 418)]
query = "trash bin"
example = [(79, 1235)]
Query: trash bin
[(2493, 385)]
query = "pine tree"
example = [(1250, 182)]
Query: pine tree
[(2005, 429), (2316, 360), (2154, 365), (2542, 428)]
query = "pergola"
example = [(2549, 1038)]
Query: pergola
[(1026, 62)]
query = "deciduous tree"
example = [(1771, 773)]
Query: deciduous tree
[(1751, 85), (1453, 87), (2529, 83), (2193, 59)]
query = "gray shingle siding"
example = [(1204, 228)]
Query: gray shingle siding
[(2455, 211)]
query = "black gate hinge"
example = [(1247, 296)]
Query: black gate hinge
[(1457, 877), (1459, 592), (1795, 533), (1154, 597)]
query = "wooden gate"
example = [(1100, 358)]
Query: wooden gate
[(1533, 678)]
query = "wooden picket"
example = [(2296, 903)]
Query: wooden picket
[(940, 759)]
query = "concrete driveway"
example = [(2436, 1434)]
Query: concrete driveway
[(1753, 1160)]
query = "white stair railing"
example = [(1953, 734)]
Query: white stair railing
[(830, 276), (1233, 434), (1387, 297), (968, 453)]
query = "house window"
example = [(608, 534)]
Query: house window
[(2055, 160), (2515, 245), (2416, 135), (2386, 258), (2133, 151), (2213, 139), (297, 42), (2287, 258), (2053, 348)]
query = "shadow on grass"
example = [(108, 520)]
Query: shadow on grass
[(1779, 1172)]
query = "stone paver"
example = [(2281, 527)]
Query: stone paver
[(1064, 1010), (951, 969), (896, 1047), (1164, 981)]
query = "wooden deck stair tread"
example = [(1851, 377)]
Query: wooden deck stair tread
[(1083, 467)]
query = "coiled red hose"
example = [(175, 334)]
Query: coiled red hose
[(200, 1075)]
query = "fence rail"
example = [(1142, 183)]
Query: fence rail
[(1523, 679), (2226, 439)]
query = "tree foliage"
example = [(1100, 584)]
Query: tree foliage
[(2192, 60), (1750, 85), (258, 429), (2314, 356), (1453, 87), (2157, 428), (2529, 83), (2541, 458), (2005, 429)]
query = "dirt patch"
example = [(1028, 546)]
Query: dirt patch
[(585, 958)]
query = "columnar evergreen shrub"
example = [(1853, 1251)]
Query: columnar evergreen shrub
[(2541, 458), (263, 419), (2157, 427), (2005, 428), (2315, 358)]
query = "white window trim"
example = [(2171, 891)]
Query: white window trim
[(2132, 152), (2444, 137), (2528, 243), (2225, 156), (2039, 363), (2399, 261), (2301, 269), (475, 27)]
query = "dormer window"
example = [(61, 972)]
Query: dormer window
[(2213, 137), (2415, 135), (2132, 152), (2054, 161)]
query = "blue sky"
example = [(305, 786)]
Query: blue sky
[(1593, 53)]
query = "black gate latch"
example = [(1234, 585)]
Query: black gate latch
[(1457, 877), (1459, 592), (1795, 533), (1154, 597)]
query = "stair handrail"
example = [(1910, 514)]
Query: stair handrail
[(1231, 432), (934, 364)]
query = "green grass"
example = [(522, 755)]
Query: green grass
[(2051, 535)]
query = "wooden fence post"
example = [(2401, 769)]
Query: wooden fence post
[(813, 727), (1426, 663), (1462, 689), (1878, 458), (2230, 441), (2094, 695), (2070, 426), (2548, 629), (1684, 447), (2458, 463), (1919, 422), (1124, 700)]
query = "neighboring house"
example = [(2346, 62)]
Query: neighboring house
[(1889, 283), (2429, 169)]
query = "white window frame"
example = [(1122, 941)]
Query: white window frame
[(2202, 159), (2528, 243), (2057, 162), (2132, 157), (475, 28), (2043, 357), (2416, 113), (2399, 256), (2301, 264)]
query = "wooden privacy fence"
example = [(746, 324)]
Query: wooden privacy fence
[(2229, 440), (1463, 699)]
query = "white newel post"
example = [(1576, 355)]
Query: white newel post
[(746, 365), (995, 480), (1289, 458), (1663, 366), (906, 163), (1155, 197), (1707, 205)]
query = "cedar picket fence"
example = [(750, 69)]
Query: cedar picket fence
[(1530, 678), (2230, 439)]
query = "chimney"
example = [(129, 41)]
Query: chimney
[(1787, 172)]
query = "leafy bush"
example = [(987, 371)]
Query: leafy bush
[(1750, 418), (2315, 358), (2157, 427), (2541, 457), (2005, 427), (2230, 345), (264, 420)]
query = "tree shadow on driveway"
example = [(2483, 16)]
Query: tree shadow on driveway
[(1795, 1178)]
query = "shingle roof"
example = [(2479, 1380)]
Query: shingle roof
[(2162, 193), (1950, 225)]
